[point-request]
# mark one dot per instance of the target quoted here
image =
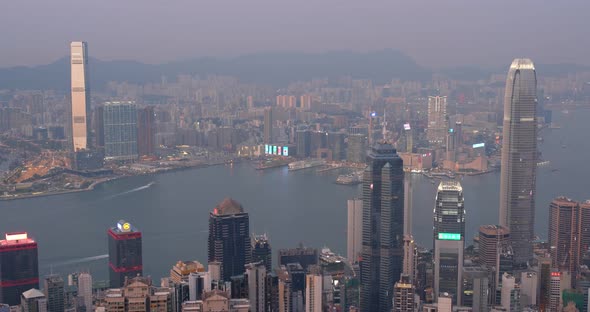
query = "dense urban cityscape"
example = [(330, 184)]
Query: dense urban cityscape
[(374, 138)]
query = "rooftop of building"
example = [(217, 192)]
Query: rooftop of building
[(186, 267), (33, 293), (16, 238), (124, 227), (522, 63), (228, 206), (564, 201), (493, 229), (450, 185)]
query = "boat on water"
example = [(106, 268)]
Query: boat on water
[(305, 164)]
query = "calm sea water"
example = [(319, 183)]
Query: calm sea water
[(292, 207)]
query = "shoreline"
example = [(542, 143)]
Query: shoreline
[(98, 182)]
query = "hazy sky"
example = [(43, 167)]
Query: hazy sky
[(434, 32)]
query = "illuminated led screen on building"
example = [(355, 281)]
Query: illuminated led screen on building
[(276, 150), (477, 145), (449, 236)]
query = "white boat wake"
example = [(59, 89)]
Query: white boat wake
[(80, 260), (137, 189)]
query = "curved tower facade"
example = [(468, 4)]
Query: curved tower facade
[(519, 158)]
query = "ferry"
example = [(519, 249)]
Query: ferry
[(305, 164)]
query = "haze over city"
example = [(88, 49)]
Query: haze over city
[(326, 156), (435, 33)]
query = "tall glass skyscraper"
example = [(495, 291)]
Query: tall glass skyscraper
[(519, 158), (383, 227), (449, 240), (80, 88), (120, 130), (229, 238), (449, 209)]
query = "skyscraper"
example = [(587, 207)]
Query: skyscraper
[(268, 124), (569, 234), (229, 238), (125, 253), (494, 253), (449, 209), (256, 275), (19, 267), (313, 292), (564, 216), (261, 251), (354, 232), (54, 292), (146, 130), (120, 130), (438, 123), (85, 289), (449, 240), (383, 227), (80, 88), (519, 158)]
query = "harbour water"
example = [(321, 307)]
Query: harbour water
[(172, 209)]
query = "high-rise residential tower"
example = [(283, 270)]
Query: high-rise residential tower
[(80, 88), (229, 238), (19, 267), (54, 292), (383, 227), (519, 158), (125, 253), (438, 122), (85, 290)]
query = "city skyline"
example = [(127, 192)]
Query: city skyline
[(250, 141)]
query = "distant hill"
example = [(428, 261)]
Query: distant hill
[(277, 69)]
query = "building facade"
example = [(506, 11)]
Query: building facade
[(229, 238), (54, 292), (383, 227), (268, 125), (262, 251), (519, 158), (19, 267), (120, 131), (354, 233), (438, 120), (146, 131), (449, 210), (125, 253), (80, 88)]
